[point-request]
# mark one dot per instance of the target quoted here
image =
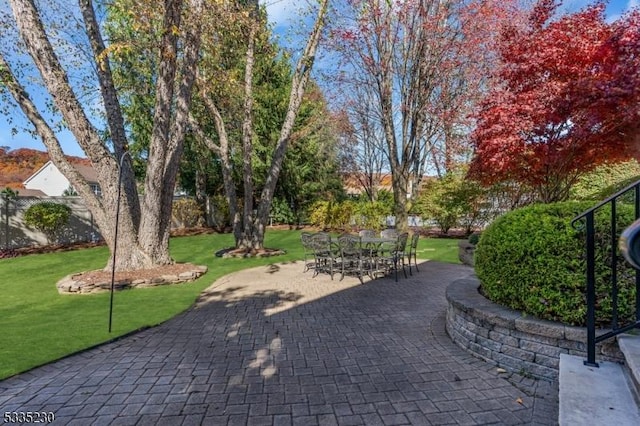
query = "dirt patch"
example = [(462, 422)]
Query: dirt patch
[(56, 248)]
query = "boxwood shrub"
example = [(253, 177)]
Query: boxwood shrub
[(532, 260)]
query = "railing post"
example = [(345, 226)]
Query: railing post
[(614, 266), (629, 246), (115, 238), (637, 216), (591, 292)]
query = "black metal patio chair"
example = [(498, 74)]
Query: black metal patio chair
[(353, 259), (325, 253), (307, 247), (391, 256), (411, 253)]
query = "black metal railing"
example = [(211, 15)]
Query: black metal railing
[(629, 246)]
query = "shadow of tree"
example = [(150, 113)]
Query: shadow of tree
[(377, 346)]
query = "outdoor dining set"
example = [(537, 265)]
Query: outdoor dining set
[(365, 254)]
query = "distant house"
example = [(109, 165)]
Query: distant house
[(353, 183), (53, 183)]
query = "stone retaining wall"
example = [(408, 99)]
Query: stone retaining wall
[(512, 341), (466, 252)]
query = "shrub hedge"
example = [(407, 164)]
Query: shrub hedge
[(186, 213), (48, 217), (605, 180), (532, 260)]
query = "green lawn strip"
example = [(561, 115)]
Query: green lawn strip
[(440, 249), (39, 325)]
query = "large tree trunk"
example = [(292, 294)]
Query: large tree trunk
[(153, 203), (247, 240), (401, 202), (298, 85), (398, 163), (223, 151), (170, 125), (249, 227), (143, 233)]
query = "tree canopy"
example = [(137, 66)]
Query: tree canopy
[(251, 218), (566, 99), (411, 72)]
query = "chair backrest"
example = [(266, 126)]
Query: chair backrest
[(349, 244), (367, 233), (402, 241), (413, 246), (305, 238), (320, 242), (389, 233)]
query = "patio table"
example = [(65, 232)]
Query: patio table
[(377, 240), (352, 254), (373, 244), (385, 253)]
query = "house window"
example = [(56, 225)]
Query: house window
[(96, 189)]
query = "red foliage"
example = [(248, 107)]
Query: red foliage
[(567, 100), (17, 165)]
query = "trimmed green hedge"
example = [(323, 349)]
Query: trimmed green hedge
[(48, 217), (605, 180), (532, 260)]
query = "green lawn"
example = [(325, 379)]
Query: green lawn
[(440, 249), (39, 325)]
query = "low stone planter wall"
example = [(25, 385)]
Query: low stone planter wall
[(466, 251), (511, 341)]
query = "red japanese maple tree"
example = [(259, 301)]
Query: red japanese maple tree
[(565, 100)]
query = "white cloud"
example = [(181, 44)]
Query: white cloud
[(282, 12), (615, 8)]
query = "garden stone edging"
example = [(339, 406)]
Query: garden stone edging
[(510, 340), (72, 284)]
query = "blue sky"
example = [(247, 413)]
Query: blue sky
[(285, 15)]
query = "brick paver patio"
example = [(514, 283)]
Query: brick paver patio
[(274, 346)]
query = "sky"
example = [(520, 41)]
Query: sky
[(284, 14)]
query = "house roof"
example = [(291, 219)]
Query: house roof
[(353, 185), (24, 192), (86, 171)]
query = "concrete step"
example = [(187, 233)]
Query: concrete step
[(629, 345), (595, 395)]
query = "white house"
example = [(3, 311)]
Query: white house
[(53, 183)]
